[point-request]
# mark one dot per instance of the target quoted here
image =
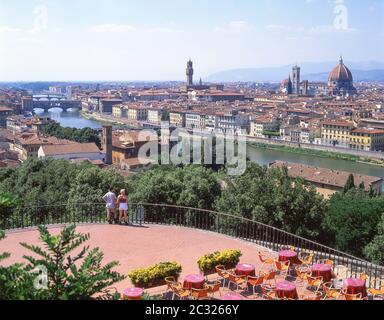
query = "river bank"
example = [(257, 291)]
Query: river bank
[(320, 153)]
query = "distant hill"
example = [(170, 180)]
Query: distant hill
[(362, 71)]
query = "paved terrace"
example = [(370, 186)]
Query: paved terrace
[(141, 247)]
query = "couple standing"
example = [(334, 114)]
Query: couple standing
[(113, 202)]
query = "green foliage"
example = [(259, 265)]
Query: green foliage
[(78, 277), (191, 186), (375, 250), (155, 275), (271, 197), (15, 282), (208, 262), (79, 135), (352, 218), (7, 202), (350, 184)]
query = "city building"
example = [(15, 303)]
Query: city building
[(137, 113), (5, 112), (177, 119), (261, 125), (366, 139), (328, 181), (340, 81), (74, 151), (154, 115), (336, 133)]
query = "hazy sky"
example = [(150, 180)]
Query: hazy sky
[(152, 39)]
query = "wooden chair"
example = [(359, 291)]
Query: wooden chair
[(282, 267), (327, 262), (351, 297), (238, 281), (265, 259), (200, 294), (308, 260), (269, 292), (330, 292), (223, 274), (214, 288), (254, 282), (170, 281), (181, 293), (341, 272), (376, 292), (316, 296), (314, 282), (302, 272), (270, 277)]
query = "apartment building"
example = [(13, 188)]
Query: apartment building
[(154, 115), (261, 125), (137, 113), (336, 133), (195, 120), (367, 139), (177, 119)]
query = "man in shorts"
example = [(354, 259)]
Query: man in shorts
[(110, 200)]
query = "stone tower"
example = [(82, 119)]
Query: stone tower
[(289, 86), (296, 79), (107, 143), (189, 73)]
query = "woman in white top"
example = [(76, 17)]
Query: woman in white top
[(122, 201)]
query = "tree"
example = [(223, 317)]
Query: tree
[(78, 277), (352, 219), (375, 249), (7, 202), (15, 282), (350, 184), (270, 196)]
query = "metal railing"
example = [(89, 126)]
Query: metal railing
[(160, 214)]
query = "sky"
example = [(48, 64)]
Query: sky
[(117, 40)]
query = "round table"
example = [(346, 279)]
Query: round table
[(356, 286), (231, 296), (286, 289), (245, 269), (322, 270), (289, 255), (194, 281), (133, 294)]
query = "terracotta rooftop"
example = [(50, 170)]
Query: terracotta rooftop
[(50, 150), (325, 176)]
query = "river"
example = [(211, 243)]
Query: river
[(257, 155)]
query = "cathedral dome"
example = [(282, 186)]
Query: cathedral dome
[(341, 74)]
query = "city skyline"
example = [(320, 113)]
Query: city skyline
[(125, 40)]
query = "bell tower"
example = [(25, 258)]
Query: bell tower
[(296, 79), (107, 144), (189, 73)]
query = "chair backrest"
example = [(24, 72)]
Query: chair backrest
[(270, 276), (314, 280), (200, 293), (215, 287), (233, 277), (341, 271), (303, 272), (265, 288), (348, 296), (282, 265), (170, 281), (262, 256), (255, 281), (316, 296), (220, 270)]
